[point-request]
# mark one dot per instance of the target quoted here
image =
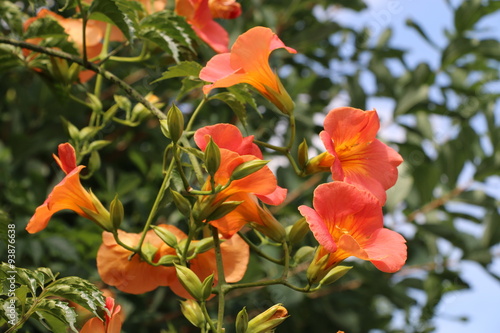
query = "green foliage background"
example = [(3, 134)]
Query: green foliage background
[(32, 108)]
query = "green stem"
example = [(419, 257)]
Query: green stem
[(194, 161), (292, 133), (102, 55), (286, 257), (76, 99), (177, 160), (221, 284), (270, 146), (258, 251), (156, 205), (144, 55), (207, 317), (195, 114), (84, 30), (91, 66)]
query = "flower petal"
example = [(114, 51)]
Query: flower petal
[(348, 125), (387, 250), (319, 228), (226, 136), (67, 157)]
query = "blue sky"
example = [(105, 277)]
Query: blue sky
[(481, 304)]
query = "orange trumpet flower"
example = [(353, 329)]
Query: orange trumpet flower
[(348, 221), (248, 62), (69, 194), (358, 157)]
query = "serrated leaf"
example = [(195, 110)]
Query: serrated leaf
[(188, 85), (57, 314), (184, 68), (168, 31), (237, 106), (121, 13), (78, 291)]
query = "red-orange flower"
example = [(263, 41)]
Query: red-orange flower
[(69, 194), (359, 158), (348, 221), (132, 275), (236, 149), (229, 137), (248, 62), (199, 14), (112, 323)]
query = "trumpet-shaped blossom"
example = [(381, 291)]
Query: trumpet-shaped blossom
[(69, 194), (229, 137), (248, 62), (348, 221), (112, 323), (200, 14), (230, 140), (131, 274), (134, 276), (358, 157)]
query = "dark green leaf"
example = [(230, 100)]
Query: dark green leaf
[(121, 13), (184, 68), (237, 106)]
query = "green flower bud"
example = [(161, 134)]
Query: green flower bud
[(270, 226), (298, 231), (190, 282), (334, 274), (207, 286), (148, 251), (242, 321), (247, 168), (102, 217), (168, 260), (303, 154), (193, 312), (116, 212), (175, 123), (204, 245), (303, 254), (182, 203), (164, 128), (212, 157), (223, 209), (166, 236), (268, 319)]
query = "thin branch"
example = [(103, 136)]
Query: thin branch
[(93, 67)]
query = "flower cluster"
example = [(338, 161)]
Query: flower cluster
[(230, 195)]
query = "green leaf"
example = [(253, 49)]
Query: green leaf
[(168, 31), (80, 291), (184, 68), (52, 32), (237, 106), (121, 13), (456, 49), (58, 315)]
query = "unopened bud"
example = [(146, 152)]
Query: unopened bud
[(168, 260), (207, 286), (164, 128), (116, 212), (212, 157), (320, 163), (269, 226), (223, 209), (190, 282), (175, 123), (242, 321), (247, 168), (303, 154), (303, 254), (334, 274), (298, 231), (181, 202), (148, 251), (193, 312), (268, 319), (204, 245), (165, 235)]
